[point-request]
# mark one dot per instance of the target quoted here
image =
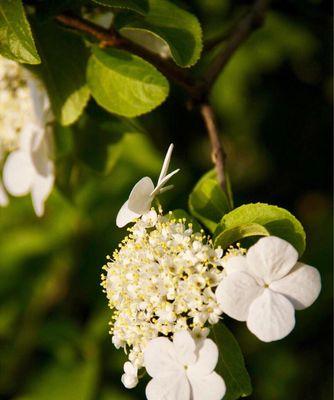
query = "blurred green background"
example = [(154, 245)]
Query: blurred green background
[(274, 104)]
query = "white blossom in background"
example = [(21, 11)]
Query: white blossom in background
[(161, 280), (25, 135), (183, 369), (143, 193), (266, 286)]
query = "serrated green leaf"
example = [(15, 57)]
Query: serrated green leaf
[(207, 202), (139, 6), (63, 70), (274, 220), (16, 40), (231, 364), (182, 214), (125, 84), (177, 28)]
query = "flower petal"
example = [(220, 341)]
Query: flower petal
[(18, 173), (166, 162), (209, 387), (160, 358), (163, 182), (185, 347), (125, 215), (301, 286), (140, 198), (235, 294), (174, 386), (207, 359), (271, 258), (271, 316), (235, 264), (41, 188), (129, 368)]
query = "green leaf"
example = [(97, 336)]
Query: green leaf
[(177, 28), (16, 40), (63, 70), (207, 201), (260, 219), (231, 364), (125, 84), (181, 214), (139, 6)]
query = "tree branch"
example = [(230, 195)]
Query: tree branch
[(253, 20), (111, 38), (218, 153)]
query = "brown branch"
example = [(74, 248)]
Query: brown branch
[(111, 38), (253, 20), (218, 154)]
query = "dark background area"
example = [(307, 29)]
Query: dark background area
[(274, 106)]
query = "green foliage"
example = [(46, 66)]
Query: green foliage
[(231, 364), (63, 67), (260, 219), (207, 201), (179, 29), (125, 84), (16, 40), (139, 6)]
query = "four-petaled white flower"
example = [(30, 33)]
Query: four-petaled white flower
[(143, 193), (30, 169), (130, 376), (183, 369), (266, 286)]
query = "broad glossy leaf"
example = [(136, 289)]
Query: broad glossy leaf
[(16, 40), (246, 221), (207, 201), (179, 29), (63, 70), (231, 364), (125, 84), (139, 6)]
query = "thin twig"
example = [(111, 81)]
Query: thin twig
[(218, 153), (253, 20)]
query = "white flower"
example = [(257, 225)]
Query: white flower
[(266, 286), (143, 193), (183, 369), (130, 378), (25, 115)]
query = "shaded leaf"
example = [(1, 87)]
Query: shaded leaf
[(139, 6), (125, 84), (63, 70), (16, 40), (231, 364), (179, 29), (207, 201), (246, 221)]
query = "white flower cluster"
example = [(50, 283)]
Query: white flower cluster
[(16, 107), (25, 136), (160, 281)]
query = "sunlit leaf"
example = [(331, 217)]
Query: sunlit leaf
[(179, 29), (16, 40), (260, 220), (125, 84)]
